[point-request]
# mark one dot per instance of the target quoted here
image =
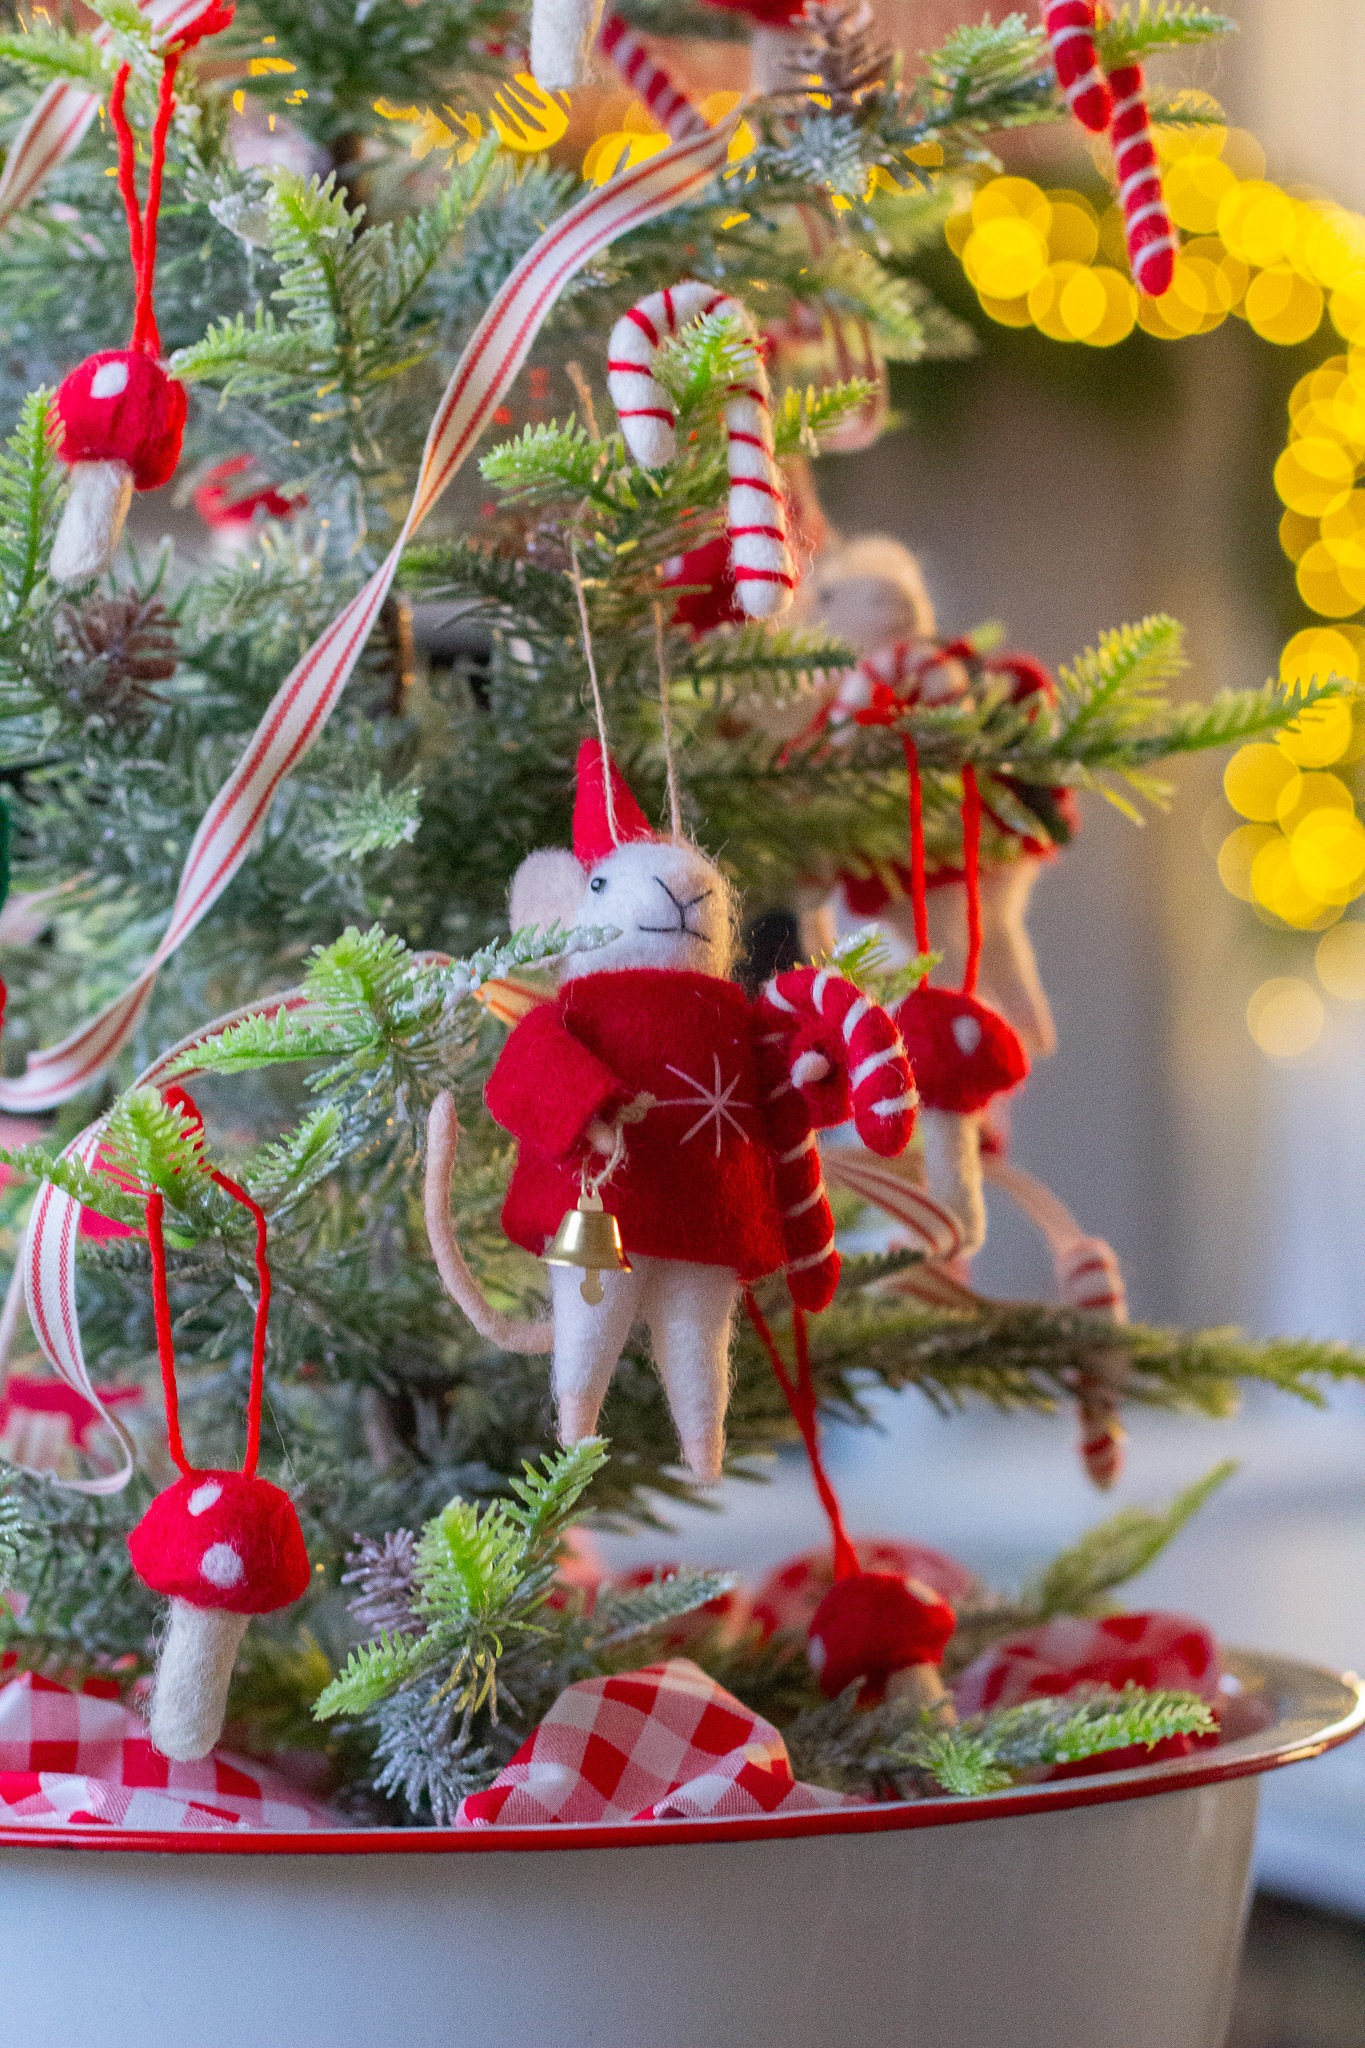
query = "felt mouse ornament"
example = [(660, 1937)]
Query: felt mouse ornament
[(652, 1084), (121, 411)]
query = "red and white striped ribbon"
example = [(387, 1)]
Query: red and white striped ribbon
[(671, 108), (64, 111), (46, 1269), (304, 702)]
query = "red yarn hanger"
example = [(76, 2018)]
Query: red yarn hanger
[(801, 1400), (161, 1307)]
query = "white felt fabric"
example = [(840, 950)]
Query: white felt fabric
[(92, 522), (562, 36), (952, 1164), (190, 1696), (689, 1310)]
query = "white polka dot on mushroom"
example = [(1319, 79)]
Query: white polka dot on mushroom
[(203, 1497), (967, 1032), (222, 1567), (109, 380)]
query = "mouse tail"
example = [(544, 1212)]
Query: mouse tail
[(511, 1333)]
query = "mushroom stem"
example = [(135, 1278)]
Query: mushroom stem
[(189, 1699), (92, 522), (952, 1162), (921, 1685), (562, 34)]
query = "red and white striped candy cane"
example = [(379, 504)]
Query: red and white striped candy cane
[(759, 556), (1147, 225), (674, 112), (844, 1052), (1089, 1277), (812, 1270), (1070, 26)]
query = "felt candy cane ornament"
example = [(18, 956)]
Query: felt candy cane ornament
[(122, 413), (1147, 225), (1070, 28), (221, 1545), (760, 558)]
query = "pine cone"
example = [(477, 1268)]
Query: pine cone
[(114, 648), (384, 1574), (834, 51)]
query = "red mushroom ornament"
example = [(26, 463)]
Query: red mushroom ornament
[(886, 1631), (963, 1054), (123, 419), (222, 1546)]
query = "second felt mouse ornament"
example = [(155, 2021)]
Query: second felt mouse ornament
[(653, 1085)]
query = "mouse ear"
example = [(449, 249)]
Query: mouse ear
[(546, 890), (593, 837)]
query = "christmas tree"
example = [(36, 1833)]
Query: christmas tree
[(346, 195)]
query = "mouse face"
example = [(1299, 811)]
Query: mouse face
[(868, 593), (672, 908)]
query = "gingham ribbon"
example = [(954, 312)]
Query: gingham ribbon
[(665, 1743), (81, 1759), (304, 702), (58, 122)]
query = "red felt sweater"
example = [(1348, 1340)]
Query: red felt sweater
[(697, 1181)]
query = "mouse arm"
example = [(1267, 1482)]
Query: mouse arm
[(547, 1089)]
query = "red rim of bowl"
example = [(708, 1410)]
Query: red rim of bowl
[(1310, 1727)]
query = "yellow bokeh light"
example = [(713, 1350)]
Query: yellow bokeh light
[(1314, 791), (1298, 534), (1113, 237), (1237, 856), (1314, 475), (1019, 198), (1347, 310), (1340, 962), (1283, 306), (1044, 300), (1082, 304), (1005, 256), (1277, 886), (1255, 779), (618, 151), (1328, 855), (1244, 154), (1328, 586), (1184, 308), (1206, 138), (1121, 308), (1233, 274), (1257, 222), (1196, 186), (1333, 245), (957, 229), (1319, 736), (1314, 655), (1285, 1017), (1073, 234), (1009, 312)]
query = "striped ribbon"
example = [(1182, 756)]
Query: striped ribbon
[(306, 699), (671, 108)]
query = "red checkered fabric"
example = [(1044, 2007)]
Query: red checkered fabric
[(78, 1759), (666, 1743), (1155, 1650)]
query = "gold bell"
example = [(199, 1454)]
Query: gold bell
[(590, 1238)]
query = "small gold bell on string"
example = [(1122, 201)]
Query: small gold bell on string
[(590, 1238)]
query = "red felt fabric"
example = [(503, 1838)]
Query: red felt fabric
[(593, 838), (142, 424), (716, 601), (789, 1596), (697, 1181), (190, 1523), (938, 1026), (874, 1624), (768, 13), (1070, 26)]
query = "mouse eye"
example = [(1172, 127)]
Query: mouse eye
[(598, 884)]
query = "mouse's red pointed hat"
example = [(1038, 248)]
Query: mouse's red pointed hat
[(593, 837)]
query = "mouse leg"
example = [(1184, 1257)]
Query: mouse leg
[(589, 1339), (690, 1310)]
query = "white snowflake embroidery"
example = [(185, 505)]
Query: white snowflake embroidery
[(719, 1107)]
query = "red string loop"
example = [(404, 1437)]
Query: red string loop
[(971, 869), (918, 897), (181, 1100), (800, 1399)]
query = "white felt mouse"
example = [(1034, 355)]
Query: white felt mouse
[(653, 1077)]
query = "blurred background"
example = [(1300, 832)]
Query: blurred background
[(1064, 489)]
